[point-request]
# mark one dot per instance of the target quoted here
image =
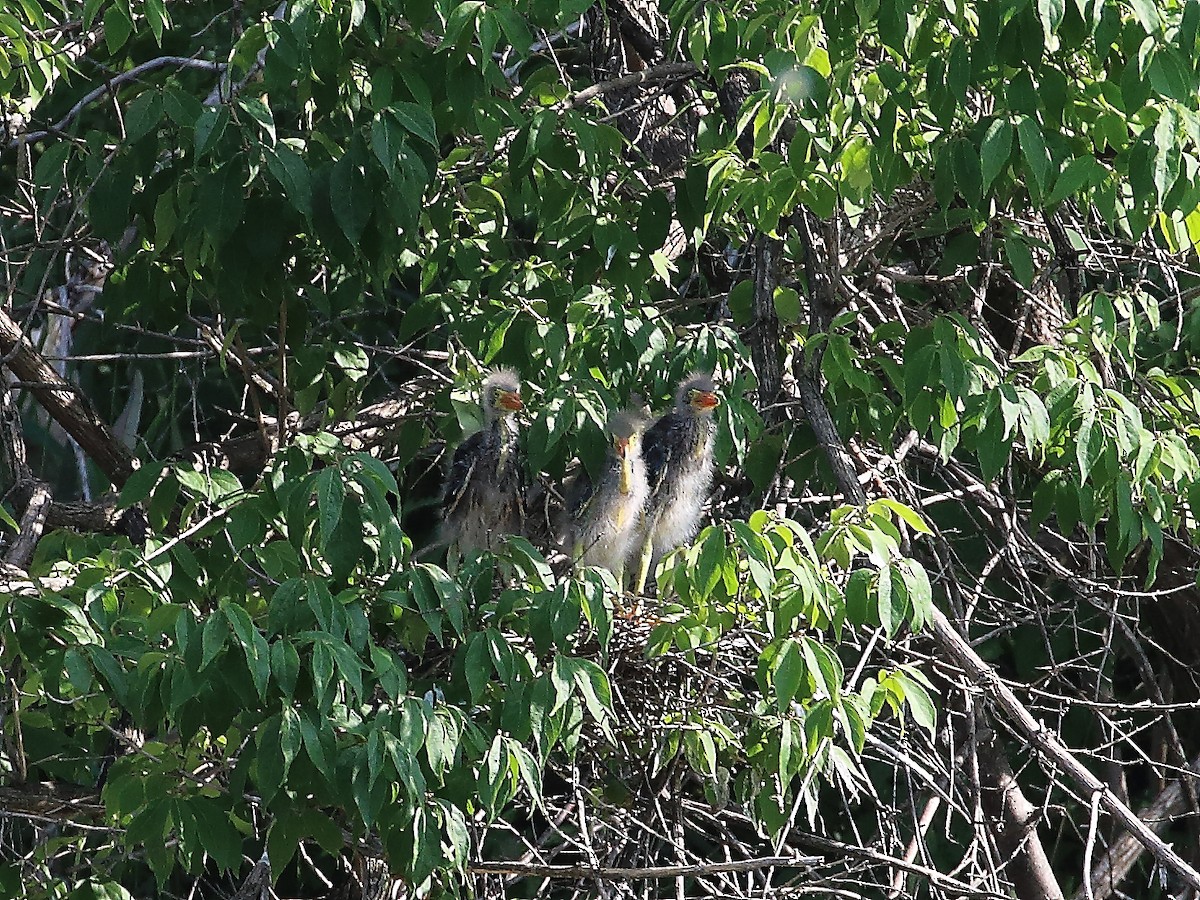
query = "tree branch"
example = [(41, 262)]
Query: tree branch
[(601, 873), (657, 73), (92, 96), (65, 404), (1127, 849), (1049, 745)]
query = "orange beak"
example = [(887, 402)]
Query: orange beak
[(511, 401), (706, 400), (622, 446)]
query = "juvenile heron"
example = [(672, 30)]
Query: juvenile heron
[(678, 449), (484, 493), (605, 515)]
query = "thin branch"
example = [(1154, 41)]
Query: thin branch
[(602, 873), (1049, 745), (111, 84), (1106, 877), (645, 76)]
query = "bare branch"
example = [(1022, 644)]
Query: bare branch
[(602, 873), (65, 404), (161, 62)]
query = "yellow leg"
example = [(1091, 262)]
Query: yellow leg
[(644, 566)]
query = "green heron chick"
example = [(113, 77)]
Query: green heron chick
[(605, 515), (678, 449), (484, 495)]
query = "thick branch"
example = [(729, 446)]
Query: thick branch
[(1013, 821), (64, 403), (763, 333), (1050, 746), (821, 305), (1127, 849), (33, 523)]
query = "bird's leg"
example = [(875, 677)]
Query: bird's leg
[(622, 611), (644, 564)]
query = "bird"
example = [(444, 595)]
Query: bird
[(678, 451), (605, 515), (484, 494)]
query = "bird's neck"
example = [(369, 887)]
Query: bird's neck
[(626, 484), (701, 429), (505, 432)]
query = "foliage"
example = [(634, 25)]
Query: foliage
[(337, 215)]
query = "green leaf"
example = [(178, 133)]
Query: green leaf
[(787, 304), (144, 114), (1033, 149), (347, 187), (593, 684), (111, 671), (920, 592), (1147, 14), (710, 562), (285, 666), (995, 150), (1077, 174), (1089, 444), (1020, 258), (216, 630), (417, 121), (890, 617), (288, 168), (1166, 152), (821, 660), (477, 665), (258, 654), (1051, 13), (139, 485), (117, 27), (209, 128), (261, 114), (701, 752), (790, 674), (654, 221), (221, 201), (331, 494), (313, 746), (909, 516), (858, 598), (919, 703)]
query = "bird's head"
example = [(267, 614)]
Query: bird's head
[(625, 429), (502, 393), (698, 394)]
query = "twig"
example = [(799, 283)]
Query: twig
[(602, 873), (92, 96), (224, 90), (657, 73)]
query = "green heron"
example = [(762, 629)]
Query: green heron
[(605, 515), (484, 496), (678, 450)]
